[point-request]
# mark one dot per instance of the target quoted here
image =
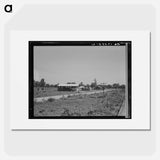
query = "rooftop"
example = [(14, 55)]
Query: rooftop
[(67, 85)]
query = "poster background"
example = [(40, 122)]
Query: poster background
[(126, 15)]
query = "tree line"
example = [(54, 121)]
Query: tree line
[(93, 85), (42, 83)]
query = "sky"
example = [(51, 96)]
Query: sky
[(62, 64)]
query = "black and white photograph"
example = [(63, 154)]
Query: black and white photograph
[(80, 79)]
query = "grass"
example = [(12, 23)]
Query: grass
[(98, 104), (49, 91)]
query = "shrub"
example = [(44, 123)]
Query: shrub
[(75, 114), (51, 100), (69, 96), (66, 112)]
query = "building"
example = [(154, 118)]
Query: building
[(68, 87)]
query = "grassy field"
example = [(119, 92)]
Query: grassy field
[(49, 91), (98, 104)]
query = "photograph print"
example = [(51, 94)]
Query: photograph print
[(79, 79)]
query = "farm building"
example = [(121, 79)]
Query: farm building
[(84, 88), (68, 87)]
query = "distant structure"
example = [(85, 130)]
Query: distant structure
[(68, 87)]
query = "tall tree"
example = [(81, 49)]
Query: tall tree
[(81, 84), (94, 83), (42, 82)]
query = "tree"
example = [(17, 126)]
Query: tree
[(81, 84), (116, 85), (47, 85), (122, 86), (87, 85), (94, 84), (36, 83), (42, 82), (109, 86)]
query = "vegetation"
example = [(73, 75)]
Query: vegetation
[(51, 100), (97, 104), (42, 86)]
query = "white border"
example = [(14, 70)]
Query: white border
[(140, 80)]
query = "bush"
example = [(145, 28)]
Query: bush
[(51, 100), (66, 112)]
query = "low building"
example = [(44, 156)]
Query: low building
[(68, 87), (85, 88)]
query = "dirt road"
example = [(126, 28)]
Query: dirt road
[(42, 99)]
